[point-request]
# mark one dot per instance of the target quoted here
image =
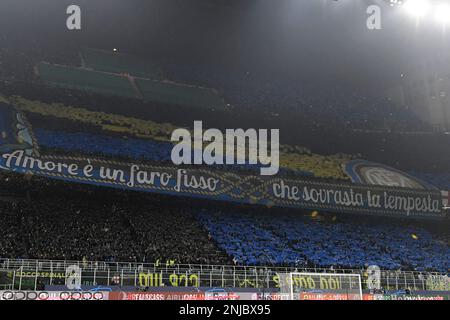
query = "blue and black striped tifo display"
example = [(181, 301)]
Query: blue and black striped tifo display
[(258, 239), (20, 153)]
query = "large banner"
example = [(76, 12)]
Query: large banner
[(19, 153)]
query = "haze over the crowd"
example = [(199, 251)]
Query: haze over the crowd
[(323, 40)]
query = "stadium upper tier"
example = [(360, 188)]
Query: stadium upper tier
[(324, 102), (147, 140), (318, 117), (243, 89), (79, 130), (83, 79), (114, 62), (164, 92), (179, 94)]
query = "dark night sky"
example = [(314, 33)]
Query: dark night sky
[(323, 39)]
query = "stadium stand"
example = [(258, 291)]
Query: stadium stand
[(178, 94), (115, 62), (440, 180), (274, 93), (15, 66), (82, 222), (69, 103), (106, 121), (284, 240), (81, 142), (250, 90), (86, 80), (82, 226), (258, 239), (299, 160), (60, 142)]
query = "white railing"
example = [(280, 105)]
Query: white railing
[(20, 273)]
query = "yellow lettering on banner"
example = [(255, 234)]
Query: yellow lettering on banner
[(323, 283), (175, 280)]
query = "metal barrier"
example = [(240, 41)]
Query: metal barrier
[(34, 274)]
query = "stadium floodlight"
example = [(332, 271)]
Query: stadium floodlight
[(418, 8), (443, 13)]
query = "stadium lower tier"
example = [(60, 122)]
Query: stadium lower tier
[(76, 222), (290, 239), (104, 232)]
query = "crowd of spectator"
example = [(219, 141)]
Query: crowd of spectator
[(299, 163), (305, 241), (15, 66), (317, 117), (322, 103), (267, 94), (18, 58), (75, 129), (55, 220), (79, 222)]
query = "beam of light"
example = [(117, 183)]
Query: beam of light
[(442, 14), (417, 8)]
